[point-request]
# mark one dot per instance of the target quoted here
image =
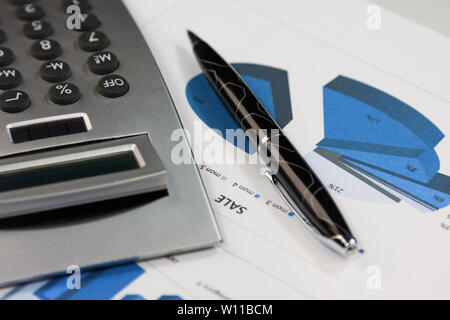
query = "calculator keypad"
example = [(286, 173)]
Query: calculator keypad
[(55, 69)]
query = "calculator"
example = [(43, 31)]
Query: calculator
[(85, 118)]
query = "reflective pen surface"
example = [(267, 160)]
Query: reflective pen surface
[(294, 178)]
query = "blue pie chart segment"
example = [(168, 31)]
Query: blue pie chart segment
[(435, 194), (417, 164), (384, 138), (367, 124), (355, 111)]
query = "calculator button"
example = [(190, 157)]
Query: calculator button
[(103, 62), (113, 86), (21, 1), (2, 36), (83, 4), (64, 93), (10, 78), (89, 22), (38, 29), (30, 11), (6, 57), (55, 71), (14, 101), (93, 41), (46, 49)]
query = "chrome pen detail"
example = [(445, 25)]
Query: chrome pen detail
[(294, 179)]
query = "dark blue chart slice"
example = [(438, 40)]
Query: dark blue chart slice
[(357, 112), (95, 285), (169, 297), (133, 297), (434, 195), (417, 164), (269, 84)]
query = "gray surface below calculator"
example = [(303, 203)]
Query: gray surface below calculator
[(86, 176)]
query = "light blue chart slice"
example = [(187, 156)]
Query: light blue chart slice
[(354, 111), (417, 164), (435, 194)]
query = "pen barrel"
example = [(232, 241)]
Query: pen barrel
[(308, 196), (241, 102)]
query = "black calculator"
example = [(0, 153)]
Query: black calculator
[(86, 170)]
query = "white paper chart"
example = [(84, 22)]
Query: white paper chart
[(369, 109)]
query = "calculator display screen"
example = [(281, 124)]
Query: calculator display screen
[(61, 172)]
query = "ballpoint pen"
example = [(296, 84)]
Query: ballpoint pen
[(294, 179)]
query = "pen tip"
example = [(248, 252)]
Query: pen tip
[(352, 246), (193, 37)]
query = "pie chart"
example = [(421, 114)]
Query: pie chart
[(376, 136)]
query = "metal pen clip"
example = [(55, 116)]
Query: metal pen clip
[(337, 242)]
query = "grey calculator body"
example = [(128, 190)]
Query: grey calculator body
[(160, 208)]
